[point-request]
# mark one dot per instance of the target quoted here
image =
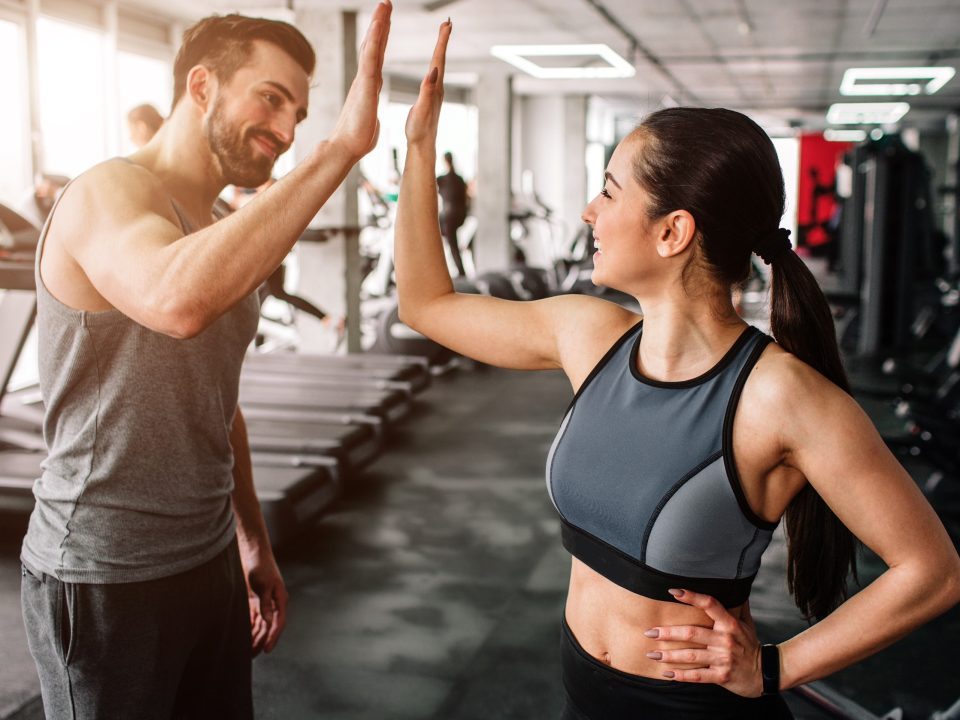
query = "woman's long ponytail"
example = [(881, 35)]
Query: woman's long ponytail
[(821, 551)]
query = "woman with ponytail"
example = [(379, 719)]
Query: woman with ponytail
[(691, 434)]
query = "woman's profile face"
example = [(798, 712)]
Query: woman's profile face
[(621, 227)]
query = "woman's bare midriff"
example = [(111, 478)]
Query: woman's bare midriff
[(609, 621)]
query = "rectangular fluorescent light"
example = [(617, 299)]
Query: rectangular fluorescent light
[(912, 80), (832, 135), (866, 113), (518, 56)]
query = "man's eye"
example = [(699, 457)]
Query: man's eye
[(272, 99)]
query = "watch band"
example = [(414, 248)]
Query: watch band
[(770, 669)]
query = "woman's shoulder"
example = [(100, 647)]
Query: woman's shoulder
[(586, 328), (781, 384)]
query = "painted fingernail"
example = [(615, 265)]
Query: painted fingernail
[(434, 74), (652, 633), (655, 655), (669, 674), (676, 593)]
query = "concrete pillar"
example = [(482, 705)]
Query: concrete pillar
[(329, 268), (492, 206), (554, 137), (575, 161)]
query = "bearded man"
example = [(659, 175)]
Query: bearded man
[(148, 578)]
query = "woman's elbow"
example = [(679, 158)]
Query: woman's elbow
[(952, 584), (406, 314)]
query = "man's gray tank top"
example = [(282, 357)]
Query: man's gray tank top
[(642, 475), (138, 478)]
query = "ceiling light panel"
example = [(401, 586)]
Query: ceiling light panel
[(895, 81), (834, 135), (565, 61), (866, 113)]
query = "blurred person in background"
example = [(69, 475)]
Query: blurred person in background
[(453, 192), (143, 122)]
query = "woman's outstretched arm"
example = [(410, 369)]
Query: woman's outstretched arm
[(522, 335)]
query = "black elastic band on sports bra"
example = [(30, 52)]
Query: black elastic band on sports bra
[(728, 357), (728, 462), (636, 577)]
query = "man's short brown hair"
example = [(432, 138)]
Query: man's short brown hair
[(224, 43)]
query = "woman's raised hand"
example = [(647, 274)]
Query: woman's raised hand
[(425, 113), (358, 127)]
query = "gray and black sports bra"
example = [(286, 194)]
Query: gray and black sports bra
[(642, 475)]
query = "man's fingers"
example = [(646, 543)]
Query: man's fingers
[(384, 36), (258, 633), (279, 618), (374, 43)]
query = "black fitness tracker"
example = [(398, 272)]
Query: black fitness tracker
[(770, 669)]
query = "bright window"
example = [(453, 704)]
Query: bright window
[(72, 92), (15, 147)]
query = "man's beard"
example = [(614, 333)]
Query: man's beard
[(240, 163)]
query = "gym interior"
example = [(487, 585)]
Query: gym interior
[(403, 485)]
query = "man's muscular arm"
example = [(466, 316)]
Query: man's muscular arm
[(119, 228), (267, 593)]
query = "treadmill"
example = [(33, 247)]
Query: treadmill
[(413, 372)]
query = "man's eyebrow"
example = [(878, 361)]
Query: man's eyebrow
[(611, 178), (282, 89)]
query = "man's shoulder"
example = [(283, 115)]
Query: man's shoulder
[(115, 188), (117, 178)]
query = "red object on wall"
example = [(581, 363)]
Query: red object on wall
[(816, 203)]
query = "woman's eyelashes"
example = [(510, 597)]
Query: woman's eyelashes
[(606, 193)]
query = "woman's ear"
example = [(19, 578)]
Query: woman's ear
[(676, 232)]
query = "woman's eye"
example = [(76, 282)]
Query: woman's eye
[(605, 193)]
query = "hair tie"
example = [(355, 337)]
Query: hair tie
[(772, 245)]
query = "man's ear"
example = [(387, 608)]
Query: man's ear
[(675, 233), (201, 84)]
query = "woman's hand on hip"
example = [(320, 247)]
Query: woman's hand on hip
[(731, 657)]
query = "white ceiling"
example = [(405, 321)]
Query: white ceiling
[(780, 58)]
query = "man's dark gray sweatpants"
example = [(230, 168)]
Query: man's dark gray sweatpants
[(177, 647)]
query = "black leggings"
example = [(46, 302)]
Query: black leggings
[(598, 692)]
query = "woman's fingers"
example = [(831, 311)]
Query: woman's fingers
[(717, 676), (439, 60), (426, 112), (684, 633), (688, 656), (722, 619)]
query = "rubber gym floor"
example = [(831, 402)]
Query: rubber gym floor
[(435, 588)]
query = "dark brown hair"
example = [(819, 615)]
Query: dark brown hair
[(722, 168), (224, 43)]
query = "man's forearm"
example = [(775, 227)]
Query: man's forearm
[(209, 271), (251, 529)]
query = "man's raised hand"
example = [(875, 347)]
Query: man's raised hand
[(358, 127)]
